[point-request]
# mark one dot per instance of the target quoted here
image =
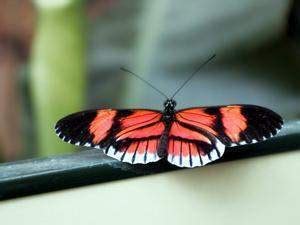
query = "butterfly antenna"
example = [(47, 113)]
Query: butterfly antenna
[(193, 74), (142, 79)]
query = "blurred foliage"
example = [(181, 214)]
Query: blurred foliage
[(15, 41), (58, 68)]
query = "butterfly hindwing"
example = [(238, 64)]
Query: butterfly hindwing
[(128, 135), (190, 147), (233, 124)]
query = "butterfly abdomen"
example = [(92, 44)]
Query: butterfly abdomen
[(163, 143), (168, 118)]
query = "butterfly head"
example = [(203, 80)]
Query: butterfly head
[(170, 105)]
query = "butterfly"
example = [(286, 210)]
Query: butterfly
[(188, 137)]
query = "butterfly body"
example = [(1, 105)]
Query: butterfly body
[(168, 116), (186, 138)]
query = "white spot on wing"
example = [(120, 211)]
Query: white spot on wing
[(110, 152), (186, 161), (118, 155), (220, 147), (128, 157), (87, 145), (175, 160), (214, 155), (196, 161), (205, 160), (139, 157), (151, 157)]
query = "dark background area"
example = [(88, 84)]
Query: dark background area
[(65, 56)]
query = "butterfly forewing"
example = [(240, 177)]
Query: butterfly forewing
[(233, 124)]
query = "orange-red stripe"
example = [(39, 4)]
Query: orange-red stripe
[(233, 121), (102, 124)]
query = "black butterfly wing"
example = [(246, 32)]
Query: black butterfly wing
[(234, 124)]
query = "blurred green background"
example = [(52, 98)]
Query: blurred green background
[(62, 56)]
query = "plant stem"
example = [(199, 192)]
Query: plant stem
[(58, 70)]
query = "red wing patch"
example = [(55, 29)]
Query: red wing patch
[(189, 147), (233, 124), (141, 124), (128, 135), (102, 124), (198, 118), (178, 130)]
